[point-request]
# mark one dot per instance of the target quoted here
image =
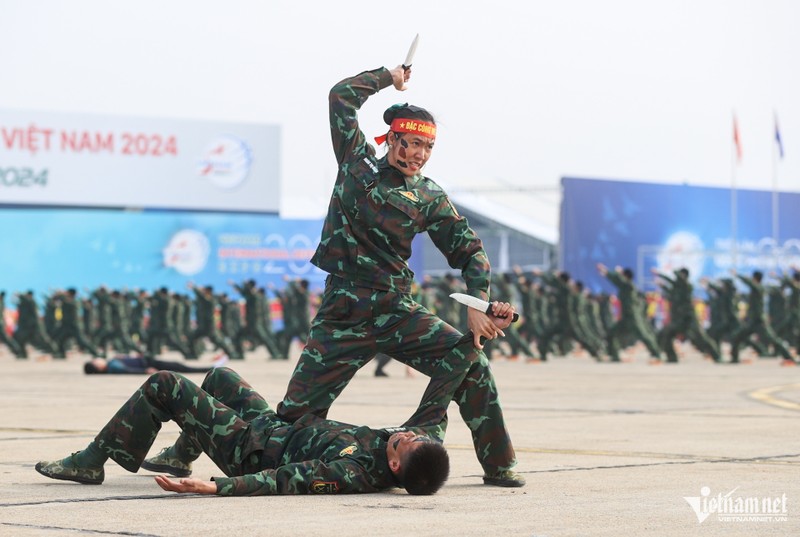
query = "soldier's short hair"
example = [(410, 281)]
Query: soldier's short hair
[(425, 469), (628, 273), (90, 369)]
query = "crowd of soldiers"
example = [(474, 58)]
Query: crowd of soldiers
[(139, 322), (558, 316)]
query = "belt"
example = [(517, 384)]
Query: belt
[(338, 281)]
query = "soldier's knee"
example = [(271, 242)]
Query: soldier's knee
[(217, 376)]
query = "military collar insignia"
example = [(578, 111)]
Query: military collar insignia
[(349, 450), (409, 196)]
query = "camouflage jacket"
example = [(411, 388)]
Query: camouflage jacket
[(315, 456), (375, 211)]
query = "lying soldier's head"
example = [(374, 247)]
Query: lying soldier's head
[(419, 463)]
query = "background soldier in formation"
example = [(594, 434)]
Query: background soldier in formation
[(683, 318), (756, 322), (4, 337), (206, 324), (257, 327), (30, 328), (71, 327), (632, 325)]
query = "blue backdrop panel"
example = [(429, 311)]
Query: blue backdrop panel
[(645, 225), (59, 248)]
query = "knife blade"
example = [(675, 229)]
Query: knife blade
[(478, 304), (411, 51)]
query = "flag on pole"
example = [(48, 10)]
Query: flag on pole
[(778, 137), (737, 139)]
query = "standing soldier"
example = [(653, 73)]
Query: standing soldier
[(120, 324), (756, 322), (257, 326), (683, 318), (88, 317), (724, 309), (30, 328), (230, 317), (71, 325), (791, 323), (565, 324), (377, 207), (206, 324), (10, 343), (502, 291), (295, 314), (631, 323), (139, 302), (447, 308), (161, 329), (52, 314), (105, 329)]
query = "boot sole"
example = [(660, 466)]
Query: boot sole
[(74, 478), (165, 469)]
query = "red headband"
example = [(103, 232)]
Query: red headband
[(414, 126)]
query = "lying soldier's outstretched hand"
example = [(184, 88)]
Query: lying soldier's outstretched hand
[(197, 486)]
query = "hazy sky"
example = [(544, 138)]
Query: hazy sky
[(524, 92)]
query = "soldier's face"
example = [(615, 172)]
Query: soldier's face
[(403, 444), (409, 152)]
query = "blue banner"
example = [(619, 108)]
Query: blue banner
[(43, 249), (645, 225)]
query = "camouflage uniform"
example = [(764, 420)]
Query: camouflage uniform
[(367, 306), (632, 321), (205, 313), (259, 452), (257, 326), (683, 319), (71, 328), (790, 328), (4, 337), (30, 328), (161, 326), (566, 323), (756, 323)]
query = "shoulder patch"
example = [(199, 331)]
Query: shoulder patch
[(349, 450), (324, 487)]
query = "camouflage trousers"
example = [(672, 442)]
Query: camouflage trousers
[(694, 333), (766, 336), (353, 324), (635, 329), (215, 418)]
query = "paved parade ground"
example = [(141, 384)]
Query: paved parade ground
[(608, 449)]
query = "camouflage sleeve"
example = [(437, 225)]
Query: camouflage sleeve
[(451, 234), (747, 281), (614, 278), (345, 99), (310, 477), (665, 277)]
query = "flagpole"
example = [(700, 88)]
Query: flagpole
[(734, 154), (775, 206)]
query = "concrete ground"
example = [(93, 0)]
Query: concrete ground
[(607, 449)]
